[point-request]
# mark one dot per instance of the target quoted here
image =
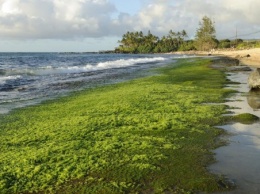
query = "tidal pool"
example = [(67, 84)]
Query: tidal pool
[(239, 161)]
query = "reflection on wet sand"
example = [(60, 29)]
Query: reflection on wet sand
[(239, 161), (254, 79), (253, 99)]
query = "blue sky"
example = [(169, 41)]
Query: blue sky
[(93, 25)]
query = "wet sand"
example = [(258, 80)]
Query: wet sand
[(239, 161)]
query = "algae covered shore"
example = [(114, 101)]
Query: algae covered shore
[(149, 135)]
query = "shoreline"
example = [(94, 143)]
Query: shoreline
[(249, 57), (244, 141)]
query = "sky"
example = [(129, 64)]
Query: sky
[(96, 25)]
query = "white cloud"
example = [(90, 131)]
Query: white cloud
[(67, 19), (54, 18), (229, 15)]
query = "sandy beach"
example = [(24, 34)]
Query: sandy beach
[(250, 57)]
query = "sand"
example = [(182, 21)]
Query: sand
[(250, 57)]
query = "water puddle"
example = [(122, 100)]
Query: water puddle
[(239, 161)]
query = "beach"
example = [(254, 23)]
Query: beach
[(250, 57), (153, 131)]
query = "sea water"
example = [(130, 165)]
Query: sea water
[(30, 78)]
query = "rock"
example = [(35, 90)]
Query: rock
[(246, 56), (254, 79), (245, 69), (253, 99), (240, 69), (228, 61)]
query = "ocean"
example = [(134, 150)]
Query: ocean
[(30, 78)]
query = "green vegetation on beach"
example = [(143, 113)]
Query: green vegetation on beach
[(152, 134)]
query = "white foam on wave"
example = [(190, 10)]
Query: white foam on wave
[(126, 62), (19, 72), (10, 77), (100, 66)]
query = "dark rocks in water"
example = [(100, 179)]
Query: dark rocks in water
[(245, 69), (240, 57), (227, 61), (254, 79), (21, 89), (229, 64), (241, 69)]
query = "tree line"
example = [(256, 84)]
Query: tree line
[(205, 40)]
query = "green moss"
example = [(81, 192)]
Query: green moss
[(245, 118), (152, 134)]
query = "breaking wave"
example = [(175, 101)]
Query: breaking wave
[(29, 78), (120, 63), (6, 78)]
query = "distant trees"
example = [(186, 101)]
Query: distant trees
[(137, 42), (226, 43), (148, 44), (171, 42), (205, 38)]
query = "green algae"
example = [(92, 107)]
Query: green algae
[(245, 118), (153, 134)]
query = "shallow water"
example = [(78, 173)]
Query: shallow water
[(30, 78), (239, 161)]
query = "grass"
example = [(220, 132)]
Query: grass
[(153, 134)]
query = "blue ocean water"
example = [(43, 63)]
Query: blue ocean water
[(30, 78)]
